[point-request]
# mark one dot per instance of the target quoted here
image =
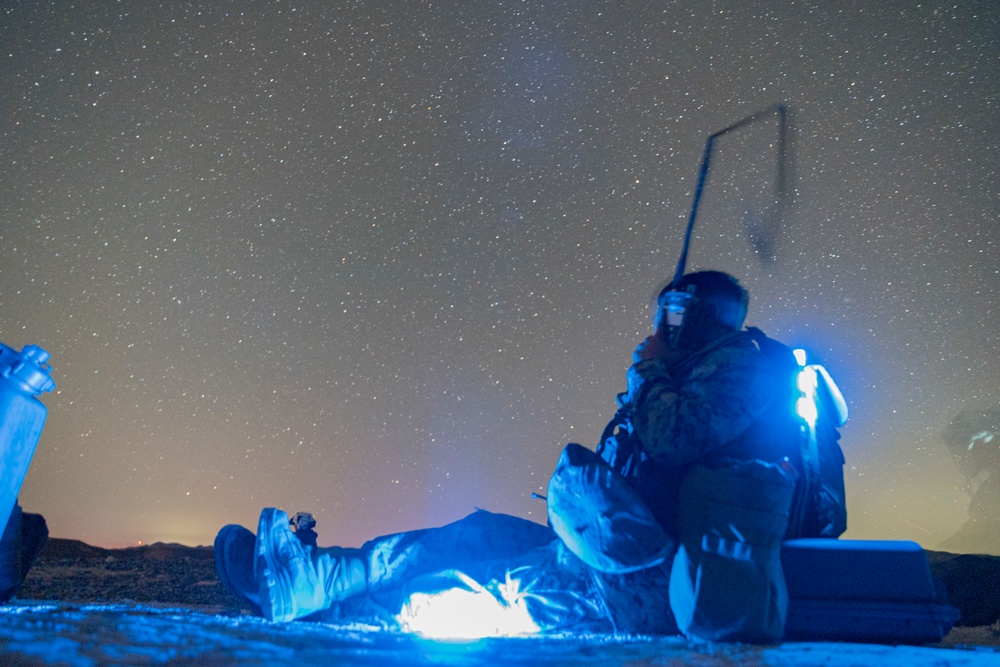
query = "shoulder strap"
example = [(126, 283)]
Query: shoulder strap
[(775, 351)]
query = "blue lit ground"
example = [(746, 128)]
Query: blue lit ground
[(45, 633)]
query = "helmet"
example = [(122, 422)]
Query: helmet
[(686, 308)]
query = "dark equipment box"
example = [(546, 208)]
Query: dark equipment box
[(863, 591)]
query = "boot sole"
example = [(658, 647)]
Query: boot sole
[(231, 541)]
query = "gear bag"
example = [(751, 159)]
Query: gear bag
[(727, 583), (599, 516)]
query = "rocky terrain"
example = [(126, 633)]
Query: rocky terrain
[(163, 604), (72, 571), (174, 574)]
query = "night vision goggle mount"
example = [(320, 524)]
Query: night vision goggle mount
[(670, 315)]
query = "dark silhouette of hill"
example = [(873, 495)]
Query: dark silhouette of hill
[(71, 549), (59, 548), (74, 571), (973, 584)]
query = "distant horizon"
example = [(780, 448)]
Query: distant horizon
[(130, 546), (210, 546)]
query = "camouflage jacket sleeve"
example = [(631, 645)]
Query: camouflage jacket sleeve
[(700, 409)]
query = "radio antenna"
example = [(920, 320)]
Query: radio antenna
[(782, 113)]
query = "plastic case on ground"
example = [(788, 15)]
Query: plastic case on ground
[(865, 591)]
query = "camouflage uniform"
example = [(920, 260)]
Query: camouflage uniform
[(727, 400), (561, 592), (702, 444)]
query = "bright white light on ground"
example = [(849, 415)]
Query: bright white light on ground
[(468, 612)]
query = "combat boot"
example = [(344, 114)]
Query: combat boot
[(294, 580)]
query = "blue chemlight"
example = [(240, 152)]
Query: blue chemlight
[(806, 382), (805, 407), (809, 380)]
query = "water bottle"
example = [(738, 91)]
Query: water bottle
[(23, 376)]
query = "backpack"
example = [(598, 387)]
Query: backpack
[(819, 505)]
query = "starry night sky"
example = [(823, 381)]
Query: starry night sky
[(381, 260)]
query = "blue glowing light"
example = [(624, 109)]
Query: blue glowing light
[(811, 377), (806, 382), (805, 406), (468, 611)]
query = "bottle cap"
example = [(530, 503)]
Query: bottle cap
[(27, 368)]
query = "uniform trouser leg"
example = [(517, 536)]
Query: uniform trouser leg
[(561, 591), (466, 545)]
